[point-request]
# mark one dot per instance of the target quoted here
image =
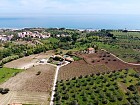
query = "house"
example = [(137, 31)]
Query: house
[(3, 38), (69, 59), (90, 50)]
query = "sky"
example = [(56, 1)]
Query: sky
[(39, 8)]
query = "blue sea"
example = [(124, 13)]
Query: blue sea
[(73, 21)]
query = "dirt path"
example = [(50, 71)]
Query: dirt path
[(121, 59), (54, 84)]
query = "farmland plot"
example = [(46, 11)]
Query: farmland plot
[(113, 88), (29, 61), (35, 82), (78, 68)]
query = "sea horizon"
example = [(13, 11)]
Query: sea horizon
[(130, 22)]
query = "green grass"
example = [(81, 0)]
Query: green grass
[(6, 73), (134, 34), (53, 40), (76, 58), (111, 88)]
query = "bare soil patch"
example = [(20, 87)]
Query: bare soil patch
[(28, 61), (102, 57), (34, 98), (29, 81), (78, 68), (28, 87), (93, 64)]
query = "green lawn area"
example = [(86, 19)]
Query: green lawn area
[(114, 88), (6, 73), (76, 58)]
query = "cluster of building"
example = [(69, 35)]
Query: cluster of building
[(35, 34), (5, 38), (21, 35), (62, 35), (89, 51)]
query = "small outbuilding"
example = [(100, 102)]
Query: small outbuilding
[(90, 50), (69, 59), (43, 61)]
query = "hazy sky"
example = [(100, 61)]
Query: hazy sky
[(67, 7)]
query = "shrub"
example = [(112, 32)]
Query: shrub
[(136, 75), (138, 83), (131, 88), (14, 74), (57, 98), (106, 62), (113, 99), (114, 60), (103, 58), (5, 91), (74, 95), (66, 97), (90, 104), (74, 102), (1, 89), (80, 77), (96, 102), (120, 98), (93, 61), (74, 78), (105, 101), (84, 98), (38, 73)]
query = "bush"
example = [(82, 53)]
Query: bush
[(1, 89), (38, 73), (96, 102), (66, 97), (5, 91), (120, 98), (105, 101), (131, 88), (113, 99), (74, 102), (84, 98), (138, 83), (57, 98)]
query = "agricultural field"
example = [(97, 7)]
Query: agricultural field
[(128, 42), (29, 61), (113, 88), (104, 58), (93, 63), (32, 86), (6, 73), (78, 68)]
